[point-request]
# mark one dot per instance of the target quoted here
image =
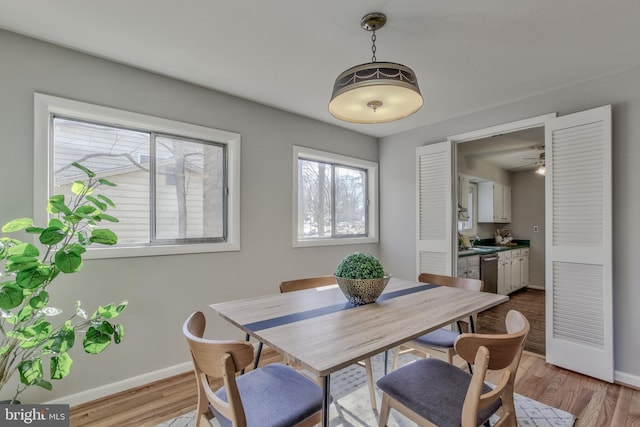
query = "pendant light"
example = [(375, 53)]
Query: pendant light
[(375, 92)]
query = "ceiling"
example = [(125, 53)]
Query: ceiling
[(515, 151), (468, 55)]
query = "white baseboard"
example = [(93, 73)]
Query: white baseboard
[(129, 383), (538, 287), (627, 379), (108, 389)]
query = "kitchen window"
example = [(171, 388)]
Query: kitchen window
[(177, 184), (469, 226), (335, 199)]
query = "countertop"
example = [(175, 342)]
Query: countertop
[(483, 248)]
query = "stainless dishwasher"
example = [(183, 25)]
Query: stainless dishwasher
[(489, 272)]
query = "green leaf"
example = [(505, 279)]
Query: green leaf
[(56, 223), (52, 236), (31, 279), (85, 211), (107, 200), (19, 266), (25, 249), (95, 341), (57, 205), (103, 236), (40, 300), (68, 261), (4, 247), (100, 205), (30, 371), (5, 349), (25, 313), (17, 225), (62, 340), (105, 217), (106, 182), (36, 334), (78, 187), (44, 384), (11, 296), (60, 366), (109, 311), (89, 172), (34, 230)]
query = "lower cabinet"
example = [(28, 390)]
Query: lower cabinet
[(513, 270), (504, 272), (469, 266)]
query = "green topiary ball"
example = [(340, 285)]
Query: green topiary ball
[(359, 265)]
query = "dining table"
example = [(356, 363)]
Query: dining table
[(320, 331)]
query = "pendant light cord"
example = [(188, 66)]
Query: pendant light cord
[(373, 46)]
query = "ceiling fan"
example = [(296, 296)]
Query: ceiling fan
[(539, 161)]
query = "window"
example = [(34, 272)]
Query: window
[(177, 184), (469, 226), (335, 199)]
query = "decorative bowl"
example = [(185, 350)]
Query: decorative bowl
[(362, 291)]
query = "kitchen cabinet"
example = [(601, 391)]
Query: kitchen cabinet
[(516, 270), (513, 270), (504, 272), (494, 202), (469, 267), (525, 267)]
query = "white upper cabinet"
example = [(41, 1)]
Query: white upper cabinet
[(494, 202)]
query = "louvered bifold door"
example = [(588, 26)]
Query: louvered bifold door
[(434, 208), (578, 243)]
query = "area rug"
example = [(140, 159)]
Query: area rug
[(351, 405)]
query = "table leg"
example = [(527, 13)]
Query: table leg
[(326, 401), (386, 360)]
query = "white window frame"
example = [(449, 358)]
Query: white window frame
[(372, 196), (473, 231), (46, 105)]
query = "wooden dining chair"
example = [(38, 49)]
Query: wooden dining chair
[(274, 395), (316, 282), (440, 343), (432, 392)]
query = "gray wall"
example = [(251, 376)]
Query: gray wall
[(162, 291), (622, 90), (527, 211)]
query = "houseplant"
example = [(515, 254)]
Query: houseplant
[(361, 278), (27, 337)]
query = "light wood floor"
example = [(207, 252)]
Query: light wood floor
[(594, 402), (529, 302)]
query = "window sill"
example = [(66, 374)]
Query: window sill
[(334, 242), (141, 251)]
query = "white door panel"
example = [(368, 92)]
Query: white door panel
[(434, 244), (579, 318)]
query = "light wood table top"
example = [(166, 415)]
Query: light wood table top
[(319, 330)]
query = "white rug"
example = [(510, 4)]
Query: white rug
[(351, 406)]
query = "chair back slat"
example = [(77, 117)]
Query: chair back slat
[(208, 353), (309, 283), (503, 348), (452, 281)]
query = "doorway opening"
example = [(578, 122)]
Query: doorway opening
[(506, 157)]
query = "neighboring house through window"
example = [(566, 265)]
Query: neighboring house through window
[(177, 184), (335, 199)]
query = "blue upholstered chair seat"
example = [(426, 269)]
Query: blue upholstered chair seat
[(440, 338), (435, 390), (277, 395)]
